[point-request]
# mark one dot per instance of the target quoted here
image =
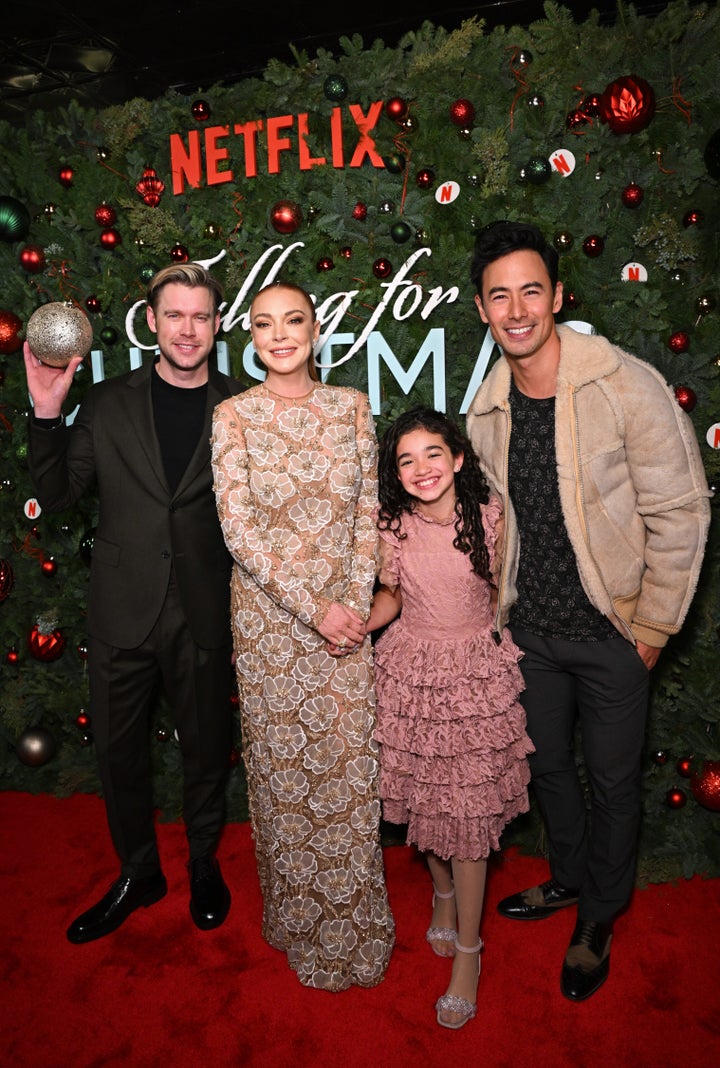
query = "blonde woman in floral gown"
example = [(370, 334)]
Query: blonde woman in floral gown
[(294, 463)]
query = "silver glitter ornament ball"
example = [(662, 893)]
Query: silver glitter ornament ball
[(58, 331)]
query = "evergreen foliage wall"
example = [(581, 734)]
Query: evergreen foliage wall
[(485, 110)]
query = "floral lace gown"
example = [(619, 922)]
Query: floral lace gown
[(296, 486), (453, 746)]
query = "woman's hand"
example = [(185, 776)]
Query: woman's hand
[(342, 628)]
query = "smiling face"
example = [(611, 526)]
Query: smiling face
[(518, 303), (185, 322), (426, 468), (284, 331)]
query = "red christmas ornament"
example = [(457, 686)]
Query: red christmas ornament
[(627, 105), (685, 397), (425, 178), (593, 246), (396, 109), (679, 342), (684, 767), (359, 212), (12, 656), (591, 104), (65, 176), (676, 797), (10, 326), (82, 720), (346, 252), (48, 566), (82, 652), (32, 259), (661, 758), (150, 188), (45, 642), (382, 268), (286, 216), (462, 113), (105, 215), (93, 304), (325, 263), (692, 218), (571, 300), (705, 785), (7, 579), (110, 239), (576, 119), (201, 110), (179, 254), (632, 195)]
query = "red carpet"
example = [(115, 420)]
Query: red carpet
[(159, 992)]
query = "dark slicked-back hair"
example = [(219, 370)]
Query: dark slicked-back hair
[(471, 487), (500, 238)]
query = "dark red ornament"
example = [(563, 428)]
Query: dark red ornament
[(591, 104), (576, 119), (46, 644), (660, 758), (685, 397), (32, 259), (359, 212), (425, 178), (49, 566), (705, 785), (286, 216), (676, 797), (150, 188), (200, 110), (382, 268), (462, 113), (110, 239), (12, 656), (93, 304), (179, 254), (571, 300), (684, 767), (679, 342), (632, 195), (82, 651), (396, 109), (692, 218), (325, 263), (593, 246), (105, 215), (627, 105), (162, 734), (346, 252), (7, 579), (65, 176), (10, 326)]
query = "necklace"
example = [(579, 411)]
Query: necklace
[(288, 400)]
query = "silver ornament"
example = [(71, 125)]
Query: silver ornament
[(58, 331)]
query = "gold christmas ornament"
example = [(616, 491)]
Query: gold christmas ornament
[(58, 331)]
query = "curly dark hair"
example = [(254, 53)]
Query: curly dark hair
[(471, 487)]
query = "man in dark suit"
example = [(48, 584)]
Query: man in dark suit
[(158, 605)]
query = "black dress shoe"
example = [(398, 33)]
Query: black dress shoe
[(538, 902), (124, 896), (209, 896), (587, 963)]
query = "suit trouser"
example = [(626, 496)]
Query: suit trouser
[(124, 685), (603, 685)]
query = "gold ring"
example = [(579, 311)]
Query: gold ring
[(342, 643)]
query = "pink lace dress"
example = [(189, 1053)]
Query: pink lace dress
[(453, 746)]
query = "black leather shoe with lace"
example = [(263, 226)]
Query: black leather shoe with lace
[(538, 902), (587, 963), (124, 896), (209, 896)]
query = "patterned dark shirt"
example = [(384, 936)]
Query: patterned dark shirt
[(551, 601)]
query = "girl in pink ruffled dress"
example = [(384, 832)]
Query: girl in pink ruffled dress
[(453, 747)]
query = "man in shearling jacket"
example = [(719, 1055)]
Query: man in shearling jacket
[(159, 601), (607, 515)]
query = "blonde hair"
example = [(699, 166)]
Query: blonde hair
[(185, 274)]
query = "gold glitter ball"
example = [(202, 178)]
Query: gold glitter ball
[(58, 331)]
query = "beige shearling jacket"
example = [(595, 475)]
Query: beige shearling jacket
[(632, 486)]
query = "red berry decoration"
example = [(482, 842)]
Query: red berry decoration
[(110, 239), (462, 113), (692, 218), (10, 326), (359, 212), (201, 110), (632, 195), (150, 188), (679, 342), (179, 254), (705, 785), (32, 259), (396, 109), (676, 797), (593, 246), (627, 105), (685, 397), (382, 268), (66, 176), (105, 215), (425, 178), (286, 216)]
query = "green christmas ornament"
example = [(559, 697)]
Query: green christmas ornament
[(538, 170), (146, 272), (14, 219), (335, 87), (400, 232), (394, 163), (108, 335)]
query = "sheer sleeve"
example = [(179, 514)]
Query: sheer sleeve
[(364, 550)]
